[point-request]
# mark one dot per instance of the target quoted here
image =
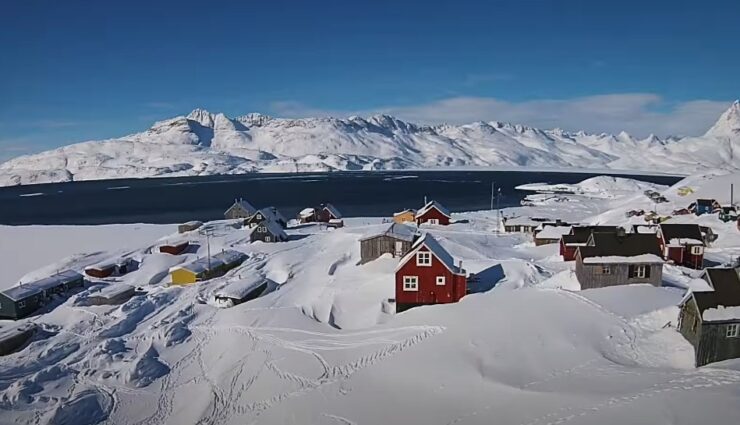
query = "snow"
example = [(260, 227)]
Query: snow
[(205, 143), (214, 261), (113, 290), (721, 313), (319, 348), (636, 259), (553, 232), (684, 241), (241, 288), (397, 231)]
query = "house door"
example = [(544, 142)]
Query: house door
[(399, 249)]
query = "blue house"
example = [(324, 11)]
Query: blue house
[(704, 206)]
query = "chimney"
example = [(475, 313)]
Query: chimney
[(425, 199), (621, 232)]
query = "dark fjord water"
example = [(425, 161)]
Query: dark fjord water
[(173, 200)]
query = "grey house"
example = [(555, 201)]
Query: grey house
[(267, 213), (20, 301), (396, 240), (240, 209), (268, 231), (710, 320), (610, 259)]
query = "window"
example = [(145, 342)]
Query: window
[(267, 239), (262, 229), (21, 304), (440, 280), (423, 258), (733, 331), (433, 221), (606, 270), (410, 283), (697, 250), (641, 271)]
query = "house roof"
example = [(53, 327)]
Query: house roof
[(245, 205), (726, 290), (25, 290), (273, 227), (627, 245), (333, 210), (552, 232), (241, 288), (407, 210), (436, 249), (525, 221), (580, 234), (688, 233), (306, 212), (705, 202), (113, 290), (272, 213), (223, 258), (433, 205), (396, 231)]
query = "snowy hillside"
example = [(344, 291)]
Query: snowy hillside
[(204, 143), (319, 346)]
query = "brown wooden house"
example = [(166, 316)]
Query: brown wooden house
[(611, 259), (396, 240), (710, 320)]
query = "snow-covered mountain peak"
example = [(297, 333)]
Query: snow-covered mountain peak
[(254, 119), (203, 117), (728, 124)]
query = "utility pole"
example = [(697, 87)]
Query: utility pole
[(493, 185), (732, 194), (207, 232), (498, 211)]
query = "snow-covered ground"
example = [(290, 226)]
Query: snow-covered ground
[(319, 348), (203, 143)]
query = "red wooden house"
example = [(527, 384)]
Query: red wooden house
[(428, 275), (683, 244), (433, 213)]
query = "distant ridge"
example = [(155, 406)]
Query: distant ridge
[(205, 143)]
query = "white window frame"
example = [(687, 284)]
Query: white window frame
[(697, 250), (411, 283), (733, 331), (441, 280), (427, 262), (433, 221), (262, 229), (268, 239), (641, 268), (606, 269)]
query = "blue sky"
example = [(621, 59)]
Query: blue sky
[(75, 71)]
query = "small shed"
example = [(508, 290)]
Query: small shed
[(15, 336), (189, 226), (106, 269), (710, 320), (550, 235), (395, 240), (22, 300), (307, 215), (405, 216), (523, 224), (268, 231), (433, 213), (241, 291), (174, 249), (682, 243), (115, 293), (205, 268), (240, 209), (328, 212), (705, 206)]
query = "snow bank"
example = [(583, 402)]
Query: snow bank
[(721, 313), (637, 259)]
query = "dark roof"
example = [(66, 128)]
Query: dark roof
[(627, 245), (680, 231), (580, 234), (705, 202), (726, 284), (333, 210)]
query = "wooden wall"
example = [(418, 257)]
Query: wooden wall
[(373, 248), (590, 276)]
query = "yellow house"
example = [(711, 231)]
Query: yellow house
[(405, 216), (205, 268)]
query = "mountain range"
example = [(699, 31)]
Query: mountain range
[(204, 143)]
